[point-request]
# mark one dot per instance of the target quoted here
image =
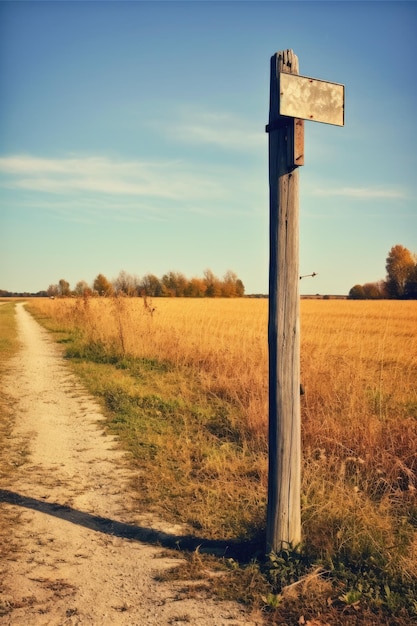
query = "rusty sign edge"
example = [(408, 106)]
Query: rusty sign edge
[(311, 99)]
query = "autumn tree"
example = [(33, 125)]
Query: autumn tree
[(126, 283), (356, 293), (213, 285), (64, 288), (400, 264), (182, 283), (151, 286), (368, 291), (228, 289), (374, 291), (102, 286), (411, 285), (52, 291), (196, 288), (82, 289), (240, 288), (174, 284), (232, 286)]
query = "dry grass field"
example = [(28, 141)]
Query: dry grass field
[(185, 384)]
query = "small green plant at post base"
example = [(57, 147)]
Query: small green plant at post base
[(351, 598), (273, 600)]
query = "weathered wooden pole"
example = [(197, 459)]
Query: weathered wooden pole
[(293, 98), (285, 154)]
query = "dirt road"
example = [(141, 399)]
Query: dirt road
[(67, 516)]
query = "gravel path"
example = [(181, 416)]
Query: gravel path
[(67, 514)]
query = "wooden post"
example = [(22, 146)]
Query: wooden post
[(285, 154)]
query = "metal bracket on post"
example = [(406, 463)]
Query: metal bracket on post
[(295, 139), (296, 151), (282, 122)]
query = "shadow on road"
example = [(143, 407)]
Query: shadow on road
[(242, 551)]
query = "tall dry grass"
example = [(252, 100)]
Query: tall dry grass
[(358, 360), (359, 411), (223, 339)]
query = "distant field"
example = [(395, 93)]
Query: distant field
[(205, 360)]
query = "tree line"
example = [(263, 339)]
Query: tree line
[(172, 284), (400, 282)]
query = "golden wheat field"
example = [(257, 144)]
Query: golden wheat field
[(359, 411), (358, 359)]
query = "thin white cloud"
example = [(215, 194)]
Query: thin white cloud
[(223, 130), (172, 180), (91, 209), (91, 188), (364, 193)]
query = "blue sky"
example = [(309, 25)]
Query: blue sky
[(132, 136)]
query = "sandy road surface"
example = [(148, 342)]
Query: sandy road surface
[(68, 516)]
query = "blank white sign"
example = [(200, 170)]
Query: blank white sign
[(311, 99)]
